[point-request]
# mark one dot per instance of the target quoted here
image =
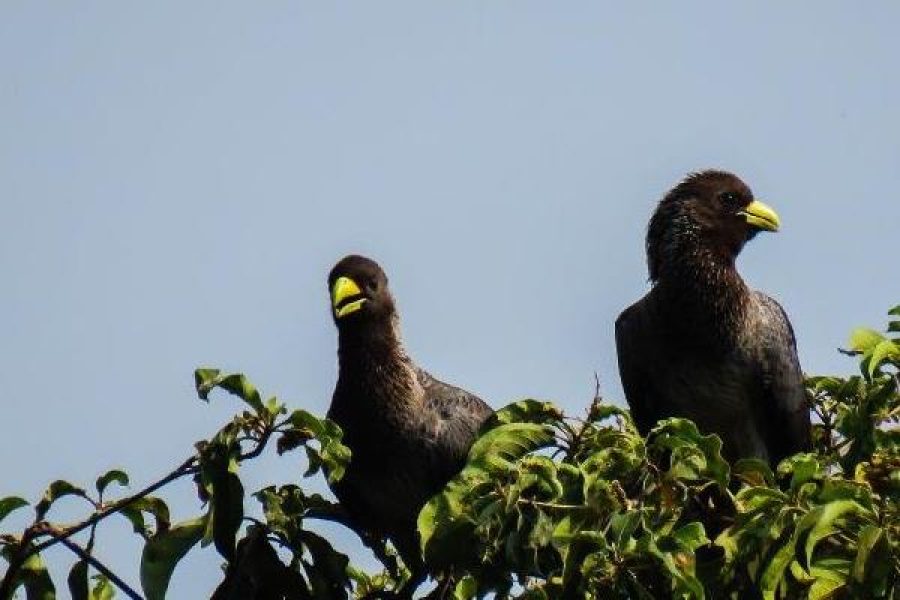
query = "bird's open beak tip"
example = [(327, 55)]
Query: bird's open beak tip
[(346, 297), (762, 216)]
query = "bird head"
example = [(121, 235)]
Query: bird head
[(359, 292), (714, 209)]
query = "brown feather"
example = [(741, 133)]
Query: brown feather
[(408, 432)]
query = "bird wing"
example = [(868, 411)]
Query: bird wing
[(453, 419), (785, 413), (634, 348)]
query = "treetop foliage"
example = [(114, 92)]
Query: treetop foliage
[(547, 506)]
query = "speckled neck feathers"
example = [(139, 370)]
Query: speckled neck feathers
[(375, 368), (698, 285)]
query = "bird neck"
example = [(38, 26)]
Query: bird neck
[(375, 366), (702, 294)]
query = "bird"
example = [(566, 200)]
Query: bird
[(701, 344), (408, 432)]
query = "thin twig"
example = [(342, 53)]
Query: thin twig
[(186, 468), (99, 566), (552, 505), (260, 446)]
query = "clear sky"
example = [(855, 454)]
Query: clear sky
[(177, 178)]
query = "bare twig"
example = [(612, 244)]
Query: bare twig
[(260, 446), (186, 468), (99, 566)]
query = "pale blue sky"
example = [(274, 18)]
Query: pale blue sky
[(177, 178)]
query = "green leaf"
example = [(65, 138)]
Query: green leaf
[(756, 498), (447, 531), (774, 572), (447, 537), (335, 457), (78, 581), (753, 471), (864, 340), (332, 455), (802, 468), (9, 504), (162, 553), (227, 509), (465, 589), (600, 411), (692, 456), (538, 478), (495, 450), (273, 407), (821, 522), (205, 380), (134, 510), (830, 575), (57, 490), (103, 588), (842, 489), (883, 351), (623, 526), (873, 562), (219, 480), (324, 430), (824, 588), (327, 573), (115, 475), (690, 536), (38, 585), (524, 411), (304, 419), (685, 584)]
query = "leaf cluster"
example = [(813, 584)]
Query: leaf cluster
[(550, 507), (547, 506)]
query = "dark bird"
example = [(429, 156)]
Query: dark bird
[(701, 344), (408, 432)]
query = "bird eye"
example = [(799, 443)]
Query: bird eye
[(728, 198)]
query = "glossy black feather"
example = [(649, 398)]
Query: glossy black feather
[(702, 345)]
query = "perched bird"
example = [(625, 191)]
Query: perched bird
[(702, 345), (408, 432)]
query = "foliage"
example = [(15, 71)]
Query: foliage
[(560, 508), (547, 506)]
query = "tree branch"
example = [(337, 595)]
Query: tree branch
[(15, 563), (61, 535), (99, 566), (186, 468), (37, 529)]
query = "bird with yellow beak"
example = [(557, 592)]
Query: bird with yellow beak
[(701, 344), (408, 432)]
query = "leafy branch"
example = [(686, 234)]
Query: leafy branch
[(547, 506), (214, 468)]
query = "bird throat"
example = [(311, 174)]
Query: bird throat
[(702, 296), (377, 371)]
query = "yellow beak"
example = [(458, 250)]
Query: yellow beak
[(345, 288), (761, 216)]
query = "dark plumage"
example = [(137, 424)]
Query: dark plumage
[(409, 432), (701, 344)]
